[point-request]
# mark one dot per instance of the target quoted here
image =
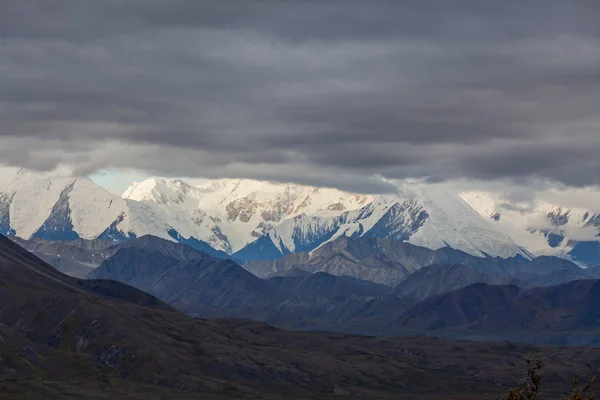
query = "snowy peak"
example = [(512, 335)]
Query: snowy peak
[(541, 227), (260, 220), (61, 207), (421, 216), (160, 191), (242, 209)]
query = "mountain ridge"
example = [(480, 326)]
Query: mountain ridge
[(229, 215), (389, 262), (258, 220)]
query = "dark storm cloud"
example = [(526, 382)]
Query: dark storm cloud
[(326, 92)]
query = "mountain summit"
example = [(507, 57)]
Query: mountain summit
[(249, 219)]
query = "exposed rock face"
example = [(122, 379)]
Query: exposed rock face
[(242, 209), (5, 228), (389, 262), (400, 222), (59, 226), (559, 217), (439, 279)]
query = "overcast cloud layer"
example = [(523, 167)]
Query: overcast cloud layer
[(324, 92)]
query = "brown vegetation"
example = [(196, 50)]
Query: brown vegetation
[(529, 387)]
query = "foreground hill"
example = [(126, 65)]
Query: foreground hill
[(63, 336)]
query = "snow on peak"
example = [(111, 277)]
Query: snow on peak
[(160, 191), (243, 209), (541, 227), (422, 215), (230, 214)]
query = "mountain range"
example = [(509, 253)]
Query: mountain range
[(228, 215), (255, 220), (317, 298), (389, 262), (104, 339)]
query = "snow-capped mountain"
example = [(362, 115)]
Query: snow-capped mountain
[(260, 220), (424, 216), (543, 228), (237, 212), (59, 207)]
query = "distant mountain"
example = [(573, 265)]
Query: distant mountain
[(593, 271), (542, 271), (193, 282), (365, 315), (325, 285), (437, 298), (180, 251), (457, 308), (573, 306), (58, 207), (293, 272), (543, 228), (253, 219), (443, 278), (78, 257), (203, 286), (377, 260), (75, 258), (422, 216), (389, 262)]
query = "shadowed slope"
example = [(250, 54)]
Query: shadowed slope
[(81, 338)]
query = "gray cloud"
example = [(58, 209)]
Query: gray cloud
[(317, 92)]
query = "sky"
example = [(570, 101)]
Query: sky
[(501, 94)]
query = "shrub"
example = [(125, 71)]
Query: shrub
[(529, 387)]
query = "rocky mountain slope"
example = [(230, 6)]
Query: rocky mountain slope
[(75, 258), (97, 339), (322, 284), (79, 257), (389, 262), (568, 307), (443, 278), (201, 286)]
